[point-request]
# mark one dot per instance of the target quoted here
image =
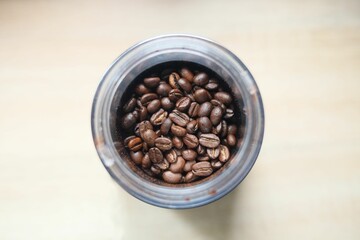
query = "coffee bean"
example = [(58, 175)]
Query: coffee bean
[(136, 115), (200, 150), (229, 113), (177, 130), (184, 84), (201, 95), (163, 165), (223, 128), (224, 153), (141, 89), (189, 155), (154, 106), (217, 103), (173, 80), (209, 140), (205, 125), (171, 177), (137, 130), (179, 118), (187, 74), (166, 103), (178, 151), (175, 94), (201, 79), (171, 156), (178, 166), (136, 157), (143, 126), (231, 140), (163, 143), (165, 126), (216, 164), (232, 129), (216, 115), (149, 137), (130, 105), (177, 142), (143, 114), (183, 104), (190, 177), (188, 165), (202, 169), (192, 126), (152, 82), (212, 85), (155, 169), (128, 121), (163, 89), (159, 117), (213, 153), (217, 129), (193, 109), (223, 97), (147, 98), (155, 155), (127, 140), (202, 158), (145, 162), (205, 109), (191, 141), (145, 147)]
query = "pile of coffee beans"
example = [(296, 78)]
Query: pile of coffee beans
[(179, 125)]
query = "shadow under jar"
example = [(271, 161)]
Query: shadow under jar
[(150, 58)]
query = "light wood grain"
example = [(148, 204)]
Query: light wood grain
[(305, 57)]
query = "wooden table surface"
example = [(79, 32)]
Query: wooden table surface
[(305, 57)]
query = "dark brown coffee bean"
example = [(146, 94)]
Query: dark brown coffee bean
[(163, 89), (177, 130), (146, 163), (201, 95), (175, 94), (232, 129), (173, 80), (191, 141), (149, 137), (178, 166), (136, 157), (136, 115), (193, 109), (205, 125), (179, 118), (128, 121), (223, 128), (216, 164), (171, 156), (223, 97), (189, 155), (231, 140), (178, 151), (163, 165), (127, 140), (159, 117), (192, 126), (165, 126), (189, 95), (187, 74), (201, 79), (152, 82), (205, 109), (202, 169), (188, 165), (183, 104), (200, 150), (130, 105), (155, 169), (203, 158), (147, 98), (143, 114), (143, 126), (145, 147), (217, 103), (171, 177), (137, 130), (213, 153), (135, 144), (217, 129), (224, 153), (184, 84), (154, 106), (212, 85), (209, 140), (229, 113), (190, 177), (167, 104), (155, 155), (163, 143), (216, 115), (141, 89), (177, 142)]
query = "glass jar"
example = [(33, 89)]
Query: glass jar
[(164, 49)]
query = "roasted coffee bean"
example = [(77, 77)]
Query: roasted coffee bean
[(188, 165), (173, 80), (163, 143), (205, 109), (216, 115), (155, 169), (143, 114), (229, 113), (171, 156), (154, 106), (201, 79), (217, 129), (184, 84), (177, 130), (200, 150), (175, 94), (143, 126), (212, 85), (147, 98), (232, 129), (136, 157), (145, 147), (190, 177), (130, 105), (155, 155), (177, 142), (192, 126), (171, 177), (224, 153), (163, 165), (128, 121), (223, 128), (216, 164), (202, 169), (205, 125), (178, 166), (146, 163), (203, 158), (179, 118), (209, 140), (201, 95), (165, 126), (223, 97), (189, 155), (231, 140), (183, 104), (152, 82), (159, 117), (127, 140), (178, 151), (191, 141), (137, 130), (187, 74), (136, 115), (163, 89), (135, 144), (141, 89), (193, 109), (167, 104), (213, 153), (149, 137)]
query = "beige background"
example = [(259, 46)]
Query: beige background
[(305, 56)]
